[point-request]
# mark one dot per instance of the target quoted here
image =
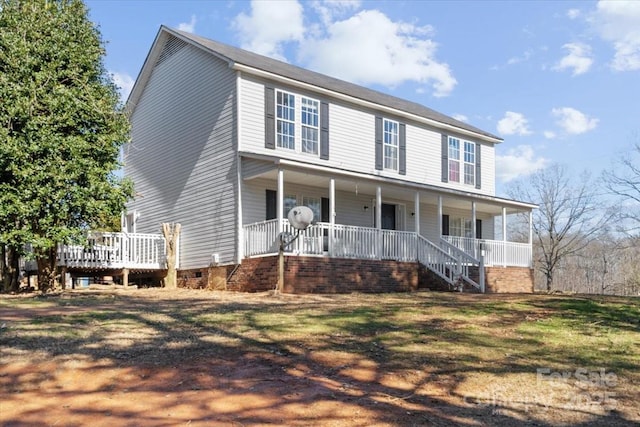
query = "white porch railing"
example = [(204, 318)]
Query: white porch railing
[(115, 251), (496, 252)]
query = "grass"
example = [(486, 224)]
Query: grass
[(470, 345)]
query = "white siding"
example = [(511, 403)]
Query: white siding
[(182, 156), (352, 141)]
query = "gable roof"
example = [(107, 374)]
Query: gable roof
[(235, 56)]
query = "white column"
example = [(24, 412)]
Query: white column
[(379, 207), (416, 210), (530, 227), (280, 207), (332, 201), (504, 224), (439, 217), (473, 220)]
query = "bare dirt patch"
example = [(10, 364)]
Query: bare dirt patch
[(186, 357)]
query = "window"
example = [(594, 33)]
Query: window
[(297, 122), (290, 202), (469, 163), (310, 125), (285, 120), (390, 138), (454, 159), (462, 161), (460, 227), (313, 203)]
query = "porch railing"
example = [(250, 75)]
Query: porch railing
[(496, 252), (115, 251)]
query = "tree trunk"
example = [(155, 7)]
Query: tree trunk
[(171, 233), (549, 276), (11, 266), (47, 261)]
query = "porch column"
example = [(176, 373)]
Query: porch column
[(379, 220), (439, 217), (332, 202), (504, 224), (474, 230), (280, 205), (416, 210), (530, 227)]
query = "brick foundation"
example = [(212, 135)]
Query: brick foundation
[(341, 275), (514, 280)]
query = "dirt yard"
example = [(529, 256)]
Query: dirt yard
[(150, 357)]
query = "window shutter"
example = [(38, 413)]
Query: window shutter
[(402, 161), (445, 158), (324, 209), (324, 131), (271, 203), (269, 119), (478, 229), (378, 143), (478, 167), (445, 225)]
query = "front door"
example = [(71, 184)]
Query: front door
[(388, 216)]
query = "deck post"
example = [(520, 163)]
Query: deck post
[(125, 277), (439, 217), (379, 220), (280, 205), (332, 214)]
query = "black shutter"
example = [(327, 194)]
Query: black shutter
[(445, 225), (402, 169), (379, 143), (478, 229), (324, 210), (324, 131), (478, 168), (445, 158), (270, 118), (272, 204)]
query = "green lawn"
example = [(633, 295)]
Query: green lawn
[(445, 358)]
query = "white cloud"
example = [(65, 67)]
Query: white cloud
[(517, 59), (513, 124), (519, 161), (269, 25), (460, 117), (578, 59), (573, 121), (619, 23), (190, 26), (370, 48), (124, 82), (549, 134), (573, 13), (330, 10)]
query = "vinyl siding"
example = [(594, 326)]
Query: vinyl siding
[(182, 157), (352, 141)]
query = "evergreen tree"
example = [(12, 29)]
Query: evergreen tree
[(61, 129)]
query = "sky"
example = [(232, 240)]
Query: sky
[(559, 81)]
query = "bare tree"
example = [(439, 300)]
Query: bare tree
[(623, 180), (568, 218)]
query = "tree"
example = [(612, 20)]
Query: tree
[(61, 128), (568, 217), (623, 180)]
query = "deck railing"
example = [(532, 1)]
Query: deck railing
[(496, 252), (115, 251)]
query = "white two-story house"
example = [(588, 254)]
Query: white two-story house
[(225, 142)]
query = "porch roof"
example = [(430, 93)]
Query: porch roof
[(315, 175)]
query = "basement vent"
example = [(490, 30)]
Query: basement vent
[(173, 46)]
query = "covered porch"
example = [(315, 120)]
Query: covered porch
[(366, 217)]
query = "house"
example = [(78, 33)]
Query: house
[(226, 142)]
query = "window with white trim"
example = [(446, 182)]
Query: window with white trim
[(313, 203), (285, 120), (390, 143), (290, 201), (462, 161), (297, 122), (469, 163), (460, 227)]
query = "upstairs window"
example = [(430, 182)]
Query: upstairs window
[(310, 125), (469, 163), (390, 140), (454, 159), (285, 120)]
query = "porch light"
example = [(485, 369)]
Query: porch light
[(365, 207)]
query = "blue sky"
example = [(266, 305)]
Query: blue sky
[(558, 80)]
